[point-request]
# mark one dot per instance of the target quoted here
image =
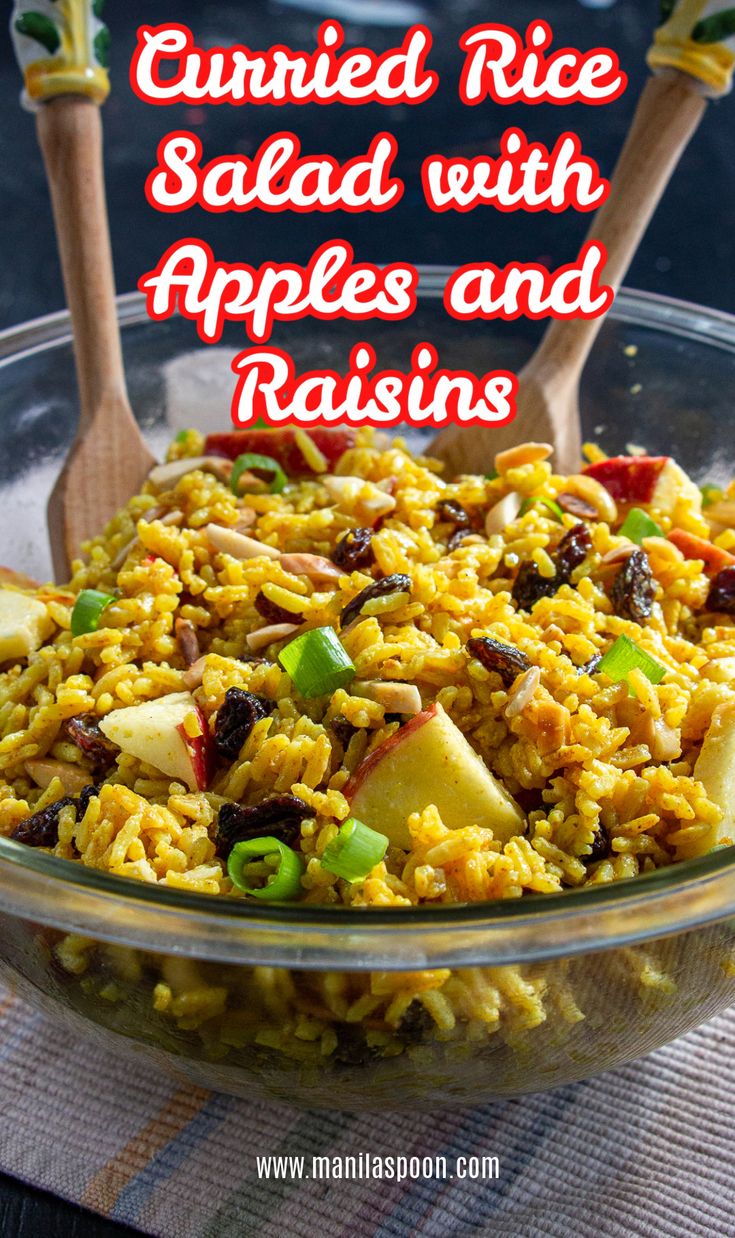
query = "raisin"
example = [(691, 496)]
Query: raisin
[(272, 613), (600, 846), (454, 513), (89, 739), (415, 1024), (354, 550), (722, 592), (42, 829), (590, 667), (343, 729), (352, 1047), (505, 660), (397, 583), (280, 816), (571, 552), (633, 590), (529, 586), (236, 718), (457, 538), (85, 795)]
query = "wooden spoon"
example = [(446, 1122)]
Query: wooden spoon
[(108, 459), (668, 114)]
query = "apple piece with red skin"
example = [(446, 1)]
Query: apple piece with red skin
[(281, 445), (656, 481), (155, 732), (429, 761)]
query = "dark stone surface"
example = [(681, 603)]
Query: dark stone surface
[(689, 251)]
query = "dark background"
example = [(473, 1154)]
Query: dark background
[(689, 252)]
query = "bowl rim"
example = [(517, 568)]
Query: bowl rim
[(59, 893)]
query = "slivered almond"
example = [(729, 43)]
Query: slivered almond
[(313, 566), (266, 636), (619, 555), (164, 476), (396, 698), (194, 675), (44, 769), (187, 640), (238, 545), (502, 514), (523, 453), (576, 506), (523, 691)]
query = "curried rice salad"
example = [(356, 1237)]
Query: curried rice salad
[(304, 667)]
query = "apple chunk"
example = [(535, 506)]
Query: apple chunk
[(282, 445), (156, 732), (24, 625), (655, 480), (715, 769), (429, 761)]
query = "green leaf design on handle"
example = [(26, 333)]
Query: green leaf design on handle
[(667, 8), (102, 46), (98, 7), (715, 29), (41, 29)]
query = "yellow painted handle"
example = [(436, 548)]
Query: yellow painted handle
[(62, 48), (697, 37)]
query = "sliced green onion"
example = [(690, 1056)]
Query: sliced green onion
[(285, 883), (266, 464), (538, 499), (317, 662), (625, 656), (638, 524), (710, 494), (182, 436), (88, 609), (493, 475), (355, 851)]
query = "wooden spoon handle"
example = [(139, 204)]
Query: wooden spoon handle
[(669, 111), (70, 135)]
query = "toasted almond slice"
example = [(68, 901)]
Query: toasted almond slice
[(238, 545), (523, 691), (187, 640), (164, 476), (523, 453), (503, 513), (313, 566), (194, 674), (396, 698), (44, 769), (576, 506), (620, 554), (266, 636)]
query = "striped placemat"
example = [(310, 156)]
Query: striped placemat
[(644, 1150)]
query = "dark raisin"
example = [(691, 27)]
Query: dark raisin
[(352, 1047), (505, 660), (415, 1024), (600, 846), (89, 739), (343, 729), (272, 613), (280, 816), (453, 513), (42, 829), (590, 667), (354, 550), (85, 795), (721, 595), (529, 586), (571, 551), (396, 583), (236, 717), (457, 538), (633, 590)]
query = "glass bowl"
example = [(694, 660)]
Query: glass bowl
[(252, 999)]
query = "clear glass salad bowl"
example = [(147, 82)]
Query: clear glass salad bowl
[(571, 984)]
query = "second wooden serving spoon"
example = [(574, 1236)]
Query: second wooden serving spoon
[(668, 114), (65, 76)]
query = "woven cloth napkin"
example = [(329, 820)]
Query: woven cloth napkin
[(643, 1150)]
